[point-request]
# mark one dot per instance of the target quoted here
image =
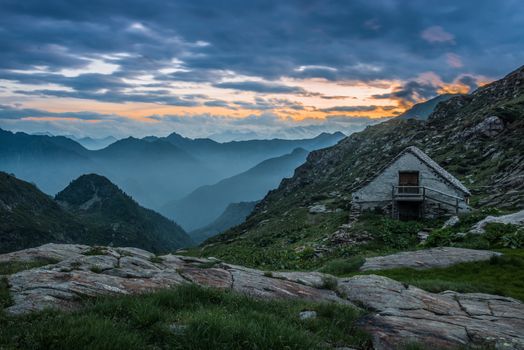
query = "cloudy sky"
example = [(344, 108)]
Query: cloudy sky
[(242, 69)]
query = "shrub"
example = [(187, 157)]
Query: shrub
[(96, 269), (95, 251), (398, 234), (339, 267), (330, 283), (514, 240)]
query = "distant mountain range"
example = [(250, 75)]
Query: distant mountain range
[(94, 143), (87, 142), (231, 158), (91, 210), (206, 203), (153, 170), (233, 215)]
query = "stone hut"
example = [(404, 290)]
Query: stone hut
[(412, 186)]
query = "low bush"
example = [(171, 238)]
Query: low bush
[(341, 267)]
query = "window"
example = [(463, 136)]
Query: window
[(408, 181)]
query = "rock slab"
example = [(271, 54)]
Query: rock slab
[(510, 219), (399, 314), (427, 258)]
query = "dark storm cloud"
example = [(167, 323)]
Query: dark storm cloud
[(470, 82), (412, 91), (159, 96), (331, 39)]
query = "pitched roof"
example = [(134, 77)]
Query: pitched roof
[(432, 164)]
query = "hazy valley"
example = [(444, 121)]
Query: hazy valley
[(261, 175)]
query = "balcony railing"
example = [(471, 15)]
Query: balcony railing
[(422, 193)]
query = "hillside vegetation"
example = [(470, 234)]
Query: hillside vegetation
[(91, 210), (476, 137)]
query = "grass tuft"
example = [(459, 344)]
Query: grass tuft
[(340, 267), (156, 259), (330, 283), (211, 319), (501, 275), (8, 268), (95, 251)]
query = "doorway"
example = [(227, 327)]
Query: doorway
[(408, 210)]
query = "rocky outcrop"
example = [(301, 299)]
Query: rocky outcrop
[(398, 313), (489, 127), (404, 314), (84, 272), (510, 219), (427, 258)]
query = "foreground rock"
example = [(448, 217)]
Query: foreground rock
[(405, 314), (427, 258), (85, 271), (399, 313)]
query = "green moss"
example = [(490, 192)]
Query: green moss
[(156, 259), (96, 269), (188, 317), (95, 251), (8, 268)]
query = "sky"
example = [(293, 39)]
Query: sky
[(242, 69)]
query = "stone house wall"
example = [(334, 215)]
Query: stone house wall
[(378, 192)]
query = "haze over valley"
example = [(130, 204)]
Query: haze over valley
[(262, 175)]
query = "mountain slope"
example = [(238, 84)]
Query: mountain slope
[(234, 214), (423, 110), (476, 137), (90, 211), (29, 218), (207, 202), (118, 219), (230, 158), (153, 170)]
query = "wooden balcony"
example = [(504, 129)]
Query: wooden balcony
[(409, 193), (422, 194)]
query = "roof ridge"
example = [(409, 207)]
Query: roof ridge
[(435, 166)]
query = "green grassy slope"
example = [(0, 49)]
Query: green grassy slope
[(282, 229), (187, 317)]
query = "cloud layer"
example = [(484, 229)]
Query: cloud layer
[(295, 60)]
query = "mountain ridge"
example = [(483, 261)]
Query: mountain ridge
[(206, 203), (91, 210), (475, 137)]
